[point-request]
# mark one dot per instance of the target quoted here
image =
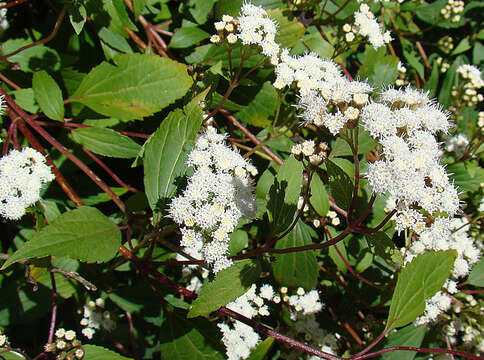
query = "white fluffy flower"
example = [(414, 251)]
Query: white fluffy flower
[(368, 26), (22, 175), (216, 196)]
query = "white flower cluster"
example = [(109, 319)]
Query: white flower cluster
[(239, 338), (444, 65), (405, 123), (95, 318), (327, 98), (67, 344), (468, 333), (3, 340), (467, 255), (480, 120), (457, 144), (217, 195), (315, 154), (472, 77), (452, 10), (252, 27), (22, 174), (368, 26)]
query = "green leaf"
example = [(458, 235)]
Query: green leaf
[(84, 234), (239, 240), (384, 71), (114, 40), (263, 106), (419, 280), (227, 286), (284, 195), (187, 36), (297, 268), (445, 94), (11, 355), (261, 350), (289, 31), (139, 5), (48, 95), (172, 138), (464, 178), (25, 98), (365, 144), (340, 185), (195, 339), (433, 80), (93, 352), (106, 142), (381, 245), (333, 254), (77, 16), (463, 46), (476, 277), (319, 197), (139, 85), (407, 336), (35, 58)]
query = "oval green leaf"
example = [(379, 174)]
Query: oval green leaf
[(106, 142), (48, 95), (83, 234)]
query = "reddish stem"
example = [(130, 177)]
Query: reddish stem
[(12, 3), (54, 308), (109, 171)]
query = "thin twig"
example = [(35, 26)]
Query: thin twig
[(75, 276), (58, 22), (251, 136), (54, 308), (109, 171)]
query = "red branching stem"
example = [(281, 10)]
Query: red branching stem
[(12, 127), (58, 22), (416, 349), (64, 150), (351, 270), (371, 346), (223, 311), (12, 3), (65, 186), (472, 291), (76, 125), (132, 337), (251, 136), (9, 82), (109, 171), (383, 222), (54, 308)]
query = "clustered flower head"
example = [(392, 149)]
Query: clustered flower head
[(239, 338), (405, 122), (95, 318), (22, 175), (218, 194), (452, 10), (66, 345), (252, 27), (457, 144), (314, 153), (4, 24), (444, 65), (368, 26), (455, 238), (446, 44), (472, 78), (402, 71)]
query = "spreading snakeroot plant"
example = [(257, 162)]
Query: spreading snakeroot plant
[(237, 179), (217, 195)]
